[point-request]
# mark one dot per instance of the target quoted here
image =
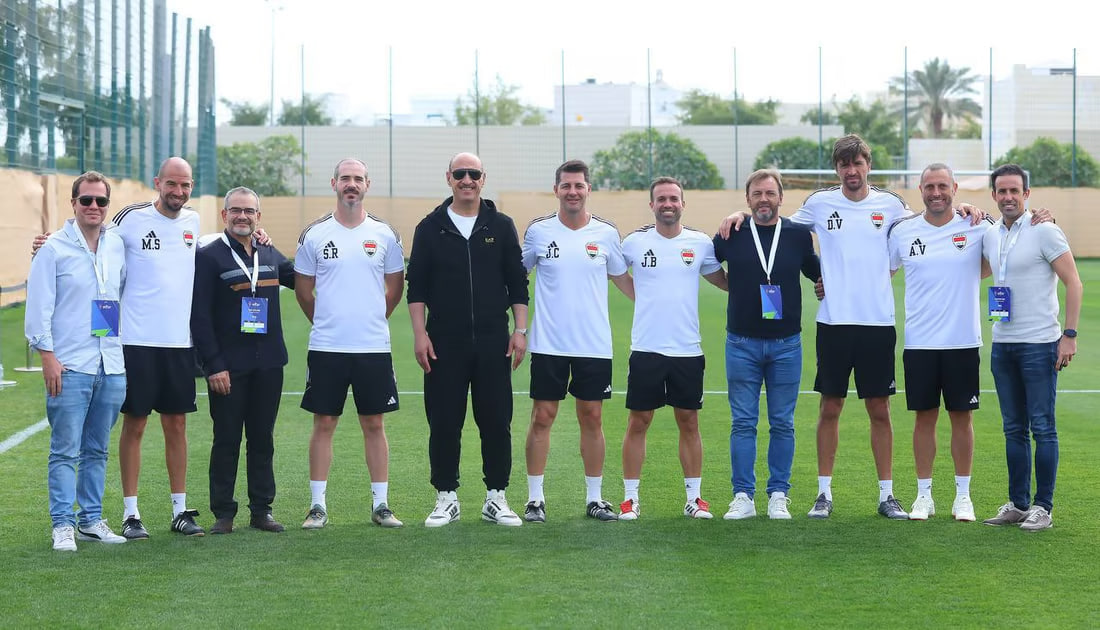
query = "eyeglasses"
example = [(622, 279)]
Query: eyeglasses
[(248, 212), (86, 200), (460, 174)]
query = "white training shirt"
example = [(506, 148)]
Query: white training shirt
[(349, 266), (943, 268), (666, 289), (855, 265), (1029, 251), (160, 275), (571, 285)]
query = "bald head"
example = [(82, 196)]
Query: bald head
[(174, 165), (174, 184), (464, 160)]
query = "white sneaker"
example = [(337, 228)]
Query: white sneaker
[(446, 510), (99, 532), (1037, 518), (741, 507), (778, 504), (963, 509), (496, 510), (697, 508), (629, 510), (64, 538), (923, 507)]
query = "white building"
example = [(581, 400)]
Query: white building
[(616, 104)]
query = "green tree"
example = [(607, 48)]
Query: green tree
[(1049, 163), (702, 108), (874, 123), (264, 166), (625, 166), (309, 111), (498, 105), (245, 114), (938, 94), (793, 152)]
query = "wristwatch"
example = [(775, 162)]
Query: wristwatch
[(1070, 332), (523, 331)]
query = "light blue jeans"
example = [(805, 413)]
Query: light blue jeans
[(777, 364), (81, 418)]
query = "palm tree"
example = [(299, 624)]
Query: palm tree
[(938, 93)]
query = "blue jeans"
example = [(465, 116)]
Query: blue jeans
[(81, 418), (1026, 382), (776, 363)]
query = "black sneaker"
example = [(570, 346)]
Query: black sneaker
[(133, 529), (184, 523), (890, 508), (535, 512), (601, 511), (822, 507)]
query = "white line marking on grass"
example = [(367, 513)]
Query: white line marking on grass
[(22, 436)]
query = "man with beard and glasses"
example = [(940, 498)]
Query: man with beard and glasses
[(237, 329), (354, 262), (573, 253), (764, 340), (465, 273), (666, 353)]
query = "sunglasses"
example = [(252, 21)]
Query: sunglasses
[(460, 174), (86, 200)]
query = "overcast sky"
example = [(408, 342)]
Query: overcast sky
[(347, 45)]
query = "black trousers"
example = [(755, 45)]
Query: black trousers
[(481, 369), (251, 406)]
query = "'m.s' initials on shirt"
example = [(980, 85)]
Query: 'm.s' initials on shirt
[(150, 241)]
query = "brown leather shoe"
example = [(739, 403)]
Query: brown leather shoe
[(222, 526), (265, 522)]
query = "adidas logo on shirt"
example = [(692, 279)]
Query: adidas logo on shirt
[(649, 259), (330, 251), (150, 241), (916, 248), (834, 222), (552, 250)]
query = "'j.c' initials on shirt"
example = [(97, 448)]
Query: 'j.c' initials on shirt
[(552, 250), (330, 251), (150, 241)]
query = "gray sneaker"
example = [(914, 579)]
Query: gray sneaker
[(822, 507), (317, 517), (1037, 518), (1007, 514), (890, 508), (383, 517)]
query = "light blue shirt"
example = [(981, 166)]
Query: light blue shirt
[(63, 283)]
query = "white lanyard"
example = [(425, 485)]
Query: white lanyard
[(1008, 241), (770, 262), (255, 275)]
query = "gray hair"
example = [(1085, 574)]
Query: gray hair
[(241, 189)]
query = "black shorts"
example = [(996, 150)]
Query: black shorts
[(655, 380), (369, 374), (868, 350), (550, 377), (954, 373), (159, 379)]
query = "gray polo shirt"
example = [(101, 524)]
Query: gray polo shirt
[(1021, 258)]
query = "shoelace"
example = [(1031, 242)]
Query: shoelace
[(1033, 517)]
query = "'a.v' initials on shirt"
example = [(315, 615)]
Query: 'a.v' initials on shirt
[(916, 248), (150, 241)]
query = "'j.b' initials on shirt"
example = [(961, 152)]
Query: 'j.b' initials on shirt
[(150, 241), (649, 259)]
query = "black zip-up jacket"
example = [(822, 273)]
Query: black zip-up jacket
[(216, 308), (468, 286)]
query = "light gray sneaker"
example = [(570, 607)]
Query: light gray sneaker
[(1037, 518), (383, 517), (317, 517), (1007, 514), (98, 532)]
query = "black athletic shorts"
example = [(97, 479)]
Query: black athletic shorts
[(656, 380), (159, 379), (369, 374), (954, 373), (867, 350), (550, 377)]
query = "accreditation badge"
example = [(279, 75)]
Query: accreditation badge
[(771, 301), (254, 315), (105, 318), (1000, 304)]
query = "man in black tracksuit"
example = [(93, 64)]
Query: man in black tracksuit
[(237, 290), (465, 271)]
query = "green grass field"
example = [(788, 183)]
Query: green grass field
[(853, 570)]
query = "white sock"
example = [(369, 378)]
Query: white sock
[(129, 508), (179, 503), (962, 486), (924, 487), (691, 487), (380, 490), (885, 489), (317, 491), (534, 489), (825, 486), (594, 487), (630, 489)]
